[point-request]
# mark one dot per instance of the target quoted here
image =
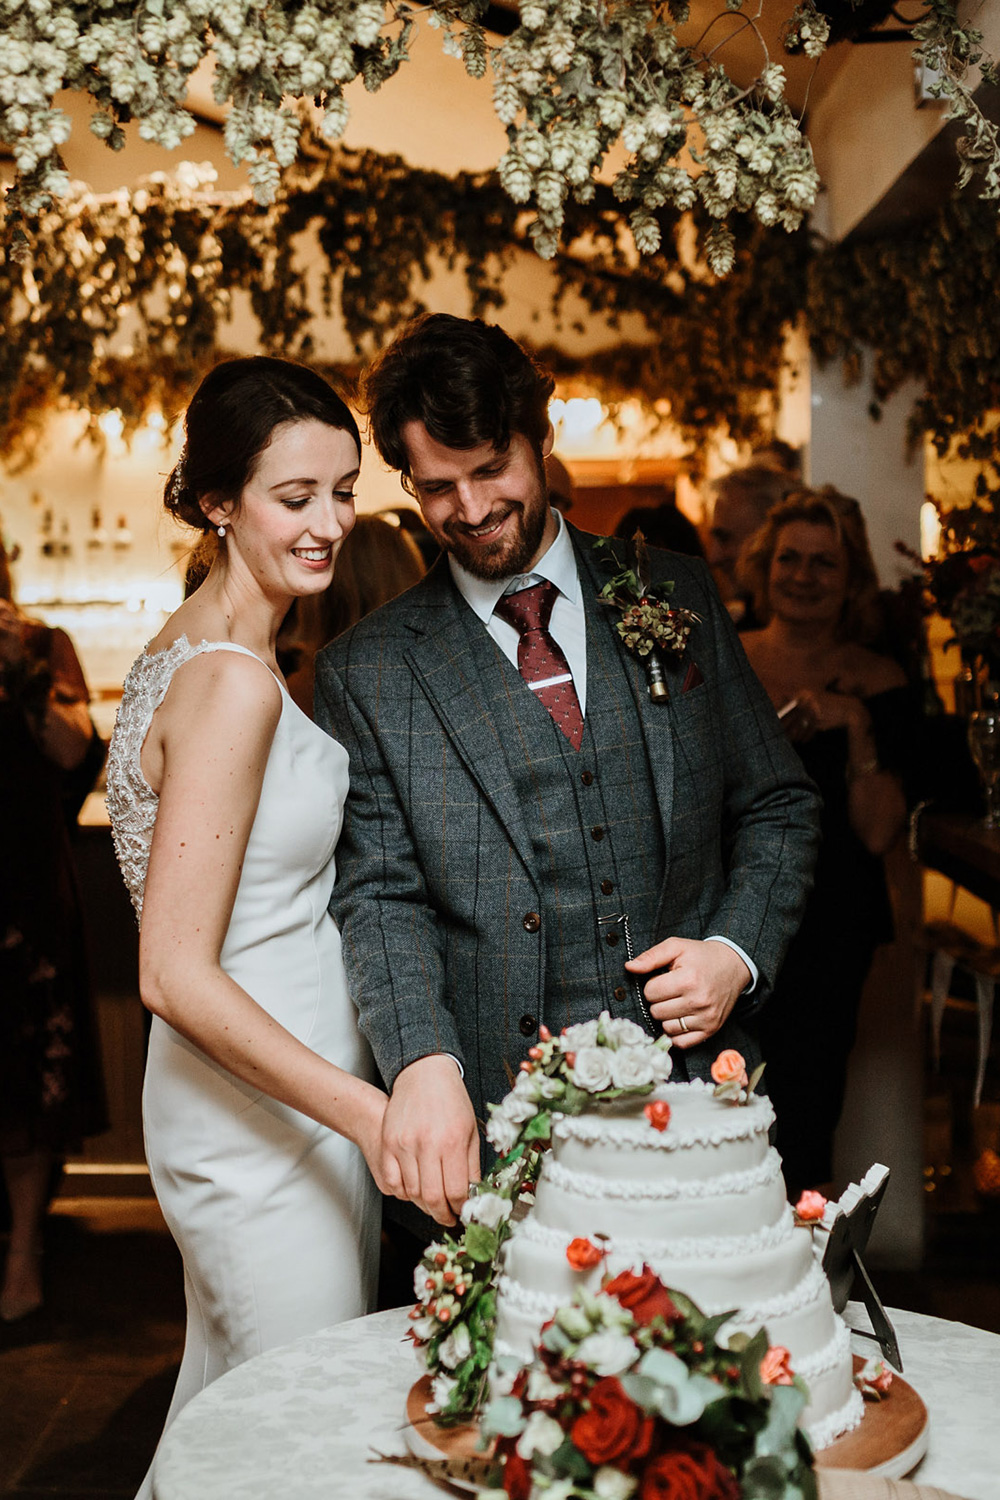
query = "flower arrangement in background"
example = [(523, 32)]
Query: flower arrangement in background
[(963, 582), (631, 1394)]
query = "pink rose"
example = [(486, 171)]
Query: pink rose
[(730, 1067)]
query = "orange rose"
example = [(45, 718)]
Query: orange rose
[(582, 1255), (775, 1368), (644, 1296), (657, 1112), (730, 1067), (613, 1428), (810, 1207), (691, 1472)]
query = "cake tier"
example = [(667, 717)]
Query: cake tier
[(703, 1204)]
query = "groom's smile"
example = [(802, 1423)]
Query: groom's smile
[(486, 506)]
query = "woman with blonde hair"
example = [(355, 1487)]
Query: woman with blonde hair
[(851, 715)]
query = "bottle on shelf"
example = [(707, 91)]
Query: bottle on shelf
[(121, 553), (96, 552)]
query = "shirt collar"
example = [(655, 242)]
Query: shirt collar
[(557, 565)]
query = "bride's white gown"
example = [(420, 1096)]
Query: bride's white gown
[(277, 1218)]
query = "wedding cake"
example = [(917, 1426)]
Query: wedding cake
[(685, 1182)]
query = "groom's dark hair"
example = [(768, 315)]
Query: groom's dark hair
[(466, 380)]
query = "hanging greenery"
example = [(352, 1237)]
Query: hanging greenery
[(129, 301), (576, 80)]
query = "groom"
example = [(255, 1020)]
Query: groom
[(521, 815)]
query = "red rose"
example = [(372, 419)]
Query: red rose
[(689, 1473), (516, 1474), (613, 1428), (582, 1255), (810, 1207), (658, 1114), (645, 1296)]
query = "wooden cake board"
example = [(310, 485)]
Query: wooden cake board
[(890, 1441)]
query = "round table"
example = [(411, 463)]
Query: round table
[(301, 1422)]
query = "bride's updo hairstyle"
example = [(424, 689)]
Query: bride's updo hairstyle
[(232, 418)]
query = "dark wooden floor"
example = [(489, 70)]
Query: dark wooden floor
[(84, 1384)]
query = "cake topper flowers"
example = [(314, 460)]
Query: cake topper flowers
[(649, 626), (729, 1074)]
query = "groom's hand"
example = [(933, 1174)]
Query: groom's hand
[(430, 1144), (693, 988)]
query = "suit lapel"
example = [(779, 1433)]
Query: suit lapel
[(461, 672)]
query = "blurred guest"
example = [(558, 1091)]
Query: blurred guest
[(742, 500), (662, 524), (852, 717), (50, 1090), (376, 562), (780, 456), (560, 483), (412, 522)]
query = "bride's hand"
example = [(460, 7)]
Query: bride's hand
[(368, 1135)]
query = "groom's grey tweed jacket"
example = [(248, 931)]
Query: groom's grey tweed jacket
[(478, 848)]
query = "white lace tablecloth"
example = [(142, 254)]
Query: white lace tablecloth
[(301, 1422)]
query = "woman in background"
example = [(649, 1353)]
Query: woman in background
[(50, 1089), (852, 718)]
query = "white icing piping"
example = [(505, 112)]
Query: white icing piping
[(810, 1366), (822, 1433), (634, 1190), (696, 1247)]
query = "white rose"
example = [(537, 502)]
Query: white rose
[(518, 1107), (441, 1390), (424, 1329), (612, 1484), (583, 1035), (632, 1068), (542, 1435), (592, 1069), (541, 1386), (486, 1208), (502, 1133), (456, 1347), (662, 1063), (607, 1353), (620, 1032)]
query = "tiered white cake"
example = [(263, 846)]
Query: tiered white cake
[(703, 1204)]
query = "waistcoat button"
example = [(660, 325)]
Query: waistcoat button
[(619, 992), (612, 939), (527, 1025), (607, 886), (597, 834), (532, 921), (587, 777)]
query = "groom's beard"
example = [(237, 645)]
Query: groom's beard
[(513, 551)]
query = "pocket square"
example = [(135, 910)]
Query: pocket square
[(692, 677)]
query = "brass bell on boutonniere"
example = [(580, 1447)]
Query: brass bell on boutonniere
[(650, 627)]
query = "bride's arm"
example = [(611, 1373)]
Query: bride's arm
[(209, 745)]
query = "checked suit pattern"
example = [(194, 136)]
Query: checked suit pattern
[(539, 660)]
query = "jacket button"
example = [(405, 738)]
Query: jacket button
[(619, 992), (612, 939), (587, 777), (597, 834), (527, 1025), (607, 886), (532, 921)]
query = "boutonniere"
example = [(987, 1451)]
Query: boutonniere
[(650, 627)]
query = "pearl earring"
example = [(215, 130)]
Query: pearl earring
[(222, 531)]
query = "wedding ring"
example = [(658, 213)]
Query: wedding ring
[(683, 1024)]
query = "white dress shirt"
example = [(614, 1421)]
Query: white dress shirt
[(568, 628)]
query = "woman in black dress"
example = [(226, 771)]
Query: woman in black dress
[(50, 1094), (852, 717)]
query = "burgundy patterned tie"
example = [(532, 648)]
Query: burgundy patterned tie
[(539, 660)]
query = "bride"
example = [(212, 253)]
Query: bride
[(226, 804)]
